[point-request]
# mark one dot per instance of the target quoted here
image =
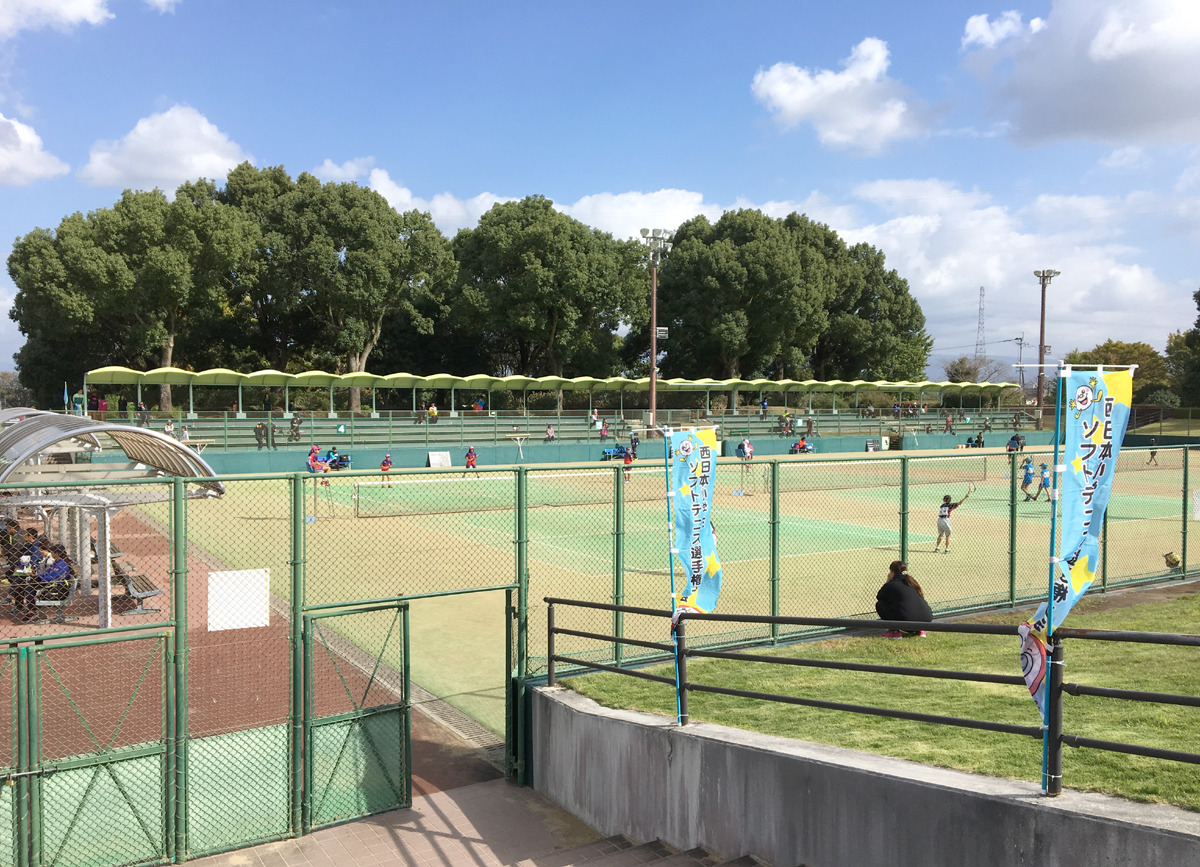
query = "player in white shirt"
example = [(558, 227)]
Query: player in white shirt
[(943, 521)]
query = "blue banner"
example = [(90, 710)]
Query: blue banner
[(693, 461), (1096, 417)]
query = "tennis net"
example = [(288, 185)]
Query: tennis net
[(880, 473), (443, 494)]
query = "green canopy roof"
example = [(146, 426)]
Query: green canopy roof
[(480, 381)]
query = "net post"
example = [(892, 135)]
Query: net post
[(904, 508)]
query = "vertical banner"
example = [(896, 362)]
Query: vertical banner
[(693, 462), (1095, 418)]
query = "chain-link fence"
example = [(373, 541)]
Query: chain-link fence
[(238, 668)]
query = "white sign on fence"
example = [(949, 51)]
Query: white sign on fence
[(239, 599)]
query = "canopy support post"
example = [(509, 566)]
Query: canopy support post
[(191, 402)]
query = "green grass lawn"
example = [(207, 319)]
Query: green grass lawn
[(1129, 666)]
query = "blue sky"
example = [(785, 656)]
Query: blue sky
[(972, 143)]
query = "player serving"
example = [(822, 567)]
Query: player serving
[(943, 521)]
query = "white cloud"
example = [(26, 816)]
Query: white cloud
[(18, 15), (448, 212), (163, 150), (623, 214), (163, 5), (987, 33), (22, 158), (1124, 158), (858, 108), (948, 242), (350, 170), (1103, 70)]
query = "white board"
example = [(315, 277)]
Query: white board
[(239, 599), (439, 459)]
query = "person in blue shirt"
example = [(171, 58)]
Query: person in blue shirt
[(1043, 483), (1026, 477), (52, 581)]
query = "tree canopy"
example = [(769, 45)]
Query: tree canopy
[(271, 271), (754, 296), (1151, 374)]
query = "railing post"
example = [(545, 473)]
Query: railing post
[(550, 645), (23, 764), (1052, 784), (681, 670)]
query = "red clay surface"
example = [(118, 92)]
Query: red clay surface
[(238, 679)]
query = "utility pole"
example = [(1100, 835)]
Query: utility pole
[(1044, 278)]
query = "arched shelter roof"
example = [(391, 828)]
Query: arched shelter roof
[(318, 378), (32, 435)]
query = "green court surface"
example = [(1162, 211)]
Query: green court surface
[(839, 525)]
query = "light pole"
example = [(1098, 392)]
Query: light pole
[(659, 242), (1044, 277)]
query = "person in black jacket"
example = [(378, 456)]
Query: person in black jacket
[(901, 598)]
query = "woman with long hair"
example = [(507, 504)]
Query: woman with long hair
[(901, 598)]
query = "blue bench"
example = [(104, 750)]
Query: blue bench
[(614, 453)]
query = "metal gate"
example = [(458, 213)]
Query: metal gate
[(89, 770), (357, 731)]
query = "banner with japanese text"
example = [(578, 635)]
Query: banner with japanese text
[(1095, 419), (693, 462)]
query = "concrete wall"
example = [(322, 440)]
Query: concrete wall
[(795, 803)]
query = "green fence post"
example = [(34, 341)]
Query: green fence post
[(23, 764), (295, 632), (774, 548), (510, 754), (618, 624), (34, 746), (522, 622), (1104, 552), (225, 431), (353, 416), (306, 721), (1184, 541), (168, 729), (904, 509), (1012, 527), (179, 576)]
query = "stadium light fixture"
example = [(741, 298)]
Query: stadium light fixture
[(1044, 277), (659, 243)]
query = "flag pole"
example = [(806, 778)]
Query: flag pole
[(1063, 372)]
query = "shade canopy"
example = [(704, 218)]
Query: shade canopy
[(486, 382), (47, 447)]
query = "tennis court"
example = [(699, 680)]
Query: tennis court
[(818, 546)]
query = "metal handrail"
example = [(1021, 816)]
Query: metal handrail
[(1053, 733)]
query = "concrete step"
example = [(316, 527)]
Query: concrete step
[(588, 853), (698, 857), (654, 852)]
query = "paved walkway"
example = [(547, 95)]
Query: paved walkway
[(481, 825)]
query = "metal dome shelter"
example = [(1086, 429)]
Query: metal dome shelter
[(76, 469)]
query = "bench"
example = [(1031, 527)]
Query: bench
[(137, 585), (614, 453), (60, 616)]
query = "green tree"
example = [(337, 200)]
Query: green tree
[(369, 263), (1182, 359), (738, 298), (542, 289), (119, 285), (1151, 374)]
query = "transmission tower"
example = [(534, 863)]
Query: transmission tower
[(980, 341)]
